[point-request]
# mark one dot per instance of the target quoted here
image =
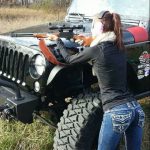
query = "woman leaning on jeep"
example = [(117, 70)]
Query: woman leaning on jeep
[(123, 115)]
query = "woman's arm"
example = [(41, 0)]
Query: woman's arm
[(81, 57)]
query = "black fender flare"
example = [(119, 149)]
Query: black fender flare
[(54, 72)]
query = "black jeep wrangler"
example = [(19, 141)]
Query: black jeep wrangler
[(33, 77)]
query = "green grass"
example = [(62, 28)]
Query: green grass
[(18, 136), (37, 136), (146, 136)]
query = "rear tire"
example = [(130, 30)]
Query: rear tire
[(79, 126)]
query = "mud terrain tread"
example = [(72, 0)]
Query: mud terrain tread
[(79, 124)]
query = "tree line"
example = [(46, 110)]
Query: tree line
[(27, 3)]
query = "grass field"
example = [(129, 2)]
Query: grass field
[(18, 18), (18, 136), (37, 136), (146, 137)]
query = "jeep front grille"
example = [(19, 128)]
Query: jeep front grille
[(13, 64)]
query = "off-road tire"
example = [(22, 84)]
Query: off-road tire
[(79, 126)]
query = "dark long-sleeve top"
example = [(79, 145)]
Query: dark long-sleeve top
[(109, 64)]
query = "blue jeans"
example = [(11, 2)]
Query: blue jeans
[(126, 119)]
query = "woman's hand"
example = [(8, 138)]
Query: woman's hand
[(53, 37), (83, 40)]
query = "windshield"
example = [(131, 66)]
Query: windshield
[(132, 8)]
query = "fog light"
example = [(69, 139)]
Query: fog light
[(37, 86), (13, 79), (23, 84), (18, 81), (5, 74)]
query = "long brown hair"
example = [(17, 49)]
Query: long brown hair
[(112, 22)]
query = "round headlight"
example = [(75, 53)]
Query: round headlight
[(37, 66)]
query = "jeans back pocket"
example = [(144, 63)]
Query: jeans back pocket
[(121, 120)]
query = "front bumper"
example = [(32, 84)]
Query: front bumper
[(21, 109)]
